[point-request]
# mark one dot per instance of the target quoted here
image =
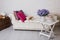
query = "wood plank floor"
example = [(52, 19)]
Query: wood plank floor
[(10, 34)]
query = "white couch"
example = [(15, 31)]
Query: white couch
[(27, 25)]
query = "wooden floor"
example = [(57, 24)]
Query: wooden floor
[(10, 34)]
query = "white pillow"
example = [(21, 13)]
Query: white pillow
[(2, 13)]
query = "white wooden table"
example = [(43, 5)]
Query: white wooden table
[(51, 26)]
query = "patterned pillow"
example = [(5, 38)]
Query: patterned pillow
[(43, 12), (15, 14), (21, 15)]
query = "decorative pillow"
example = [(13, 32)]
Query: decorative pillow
[(21, 16), (2, 13), (30, 18), (15, 14), (43, 12)]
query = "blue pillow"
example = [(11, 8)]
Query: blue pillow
[(43, 12)]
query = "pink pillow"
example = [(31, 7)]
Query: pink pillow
[(21, 15), (15, 14)]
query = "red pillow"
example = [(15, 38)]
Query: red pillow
[(21, 15), (15, 14)]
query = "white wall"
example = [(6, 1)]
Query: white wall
[(0, 5), (30, 6)]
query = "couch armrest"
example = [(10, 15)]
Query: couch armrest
[(13, 20)]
